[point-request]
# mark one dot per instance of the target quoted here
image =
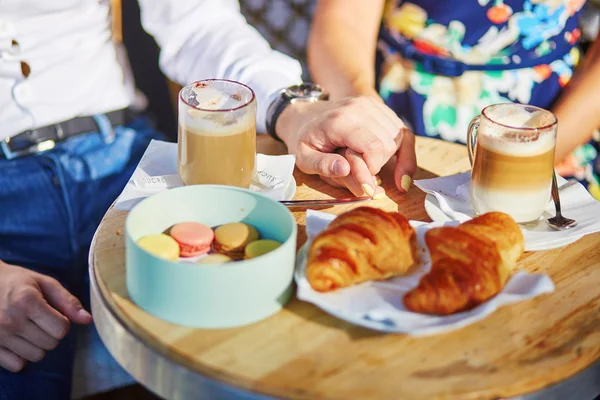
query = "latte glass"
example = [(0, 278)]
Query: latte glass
[(511, 150), (217, 133)]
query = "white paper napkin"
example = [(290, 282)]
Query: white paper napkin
[(157, 171), (378, 305), (452, 193)]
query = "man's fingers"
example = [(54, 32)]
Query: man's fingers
[(23, 348), (311, 161), (48, 319), (332, 181), (37, 336), (59, 298), (348, 130), (10, 361), (361, 173), (406, 162)]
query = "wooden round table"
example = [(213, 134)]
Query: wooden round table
[(551, 342)]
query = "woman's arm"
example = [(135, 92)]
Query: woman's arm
[(578, 108), (342, 43)]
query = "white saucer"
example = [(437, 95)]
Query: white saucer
[(436, 214), (290, 190)]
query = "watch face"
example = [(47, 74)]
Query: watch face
[(305, 91)]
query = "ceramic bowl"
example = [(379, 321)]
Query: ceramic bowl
[(203, 295)]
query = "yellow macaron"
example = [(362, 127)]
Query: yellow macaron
[(260, 247), (231, 239), (160, 245), (214, 259)]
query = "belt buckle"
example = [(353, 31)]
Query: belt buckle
[(42, 146)]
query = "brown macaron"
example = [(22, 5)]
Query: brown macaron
[(231, 239)]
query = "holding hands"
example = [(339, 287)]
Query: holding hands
[(348, 141)]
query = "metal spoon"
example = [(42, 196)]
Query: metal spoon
[(558, 221)]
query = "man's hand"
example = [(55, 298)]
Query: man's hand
[(346, 142), (35, 311)]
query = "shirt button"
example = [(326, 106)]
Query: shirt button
[(22, 92)]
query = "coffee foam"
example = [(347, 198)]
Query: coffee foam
[(212, 98), (217, 124), (518, 145), (515, 142)]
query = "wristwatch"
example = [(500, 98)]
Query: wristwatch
[(305, 92)]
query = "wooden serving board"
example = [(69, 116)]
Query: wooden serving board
[(304, 353)]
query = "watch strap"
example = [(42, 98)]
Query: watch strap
[(273, 113)]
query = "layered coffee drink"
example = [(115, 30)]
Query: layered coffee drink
[(513, 163), (217, 134)]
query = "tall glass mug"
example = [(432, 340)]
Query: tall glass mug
[(217, 133), (511, 149)]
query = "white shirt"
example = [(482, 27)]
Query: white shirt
[(75, 69)]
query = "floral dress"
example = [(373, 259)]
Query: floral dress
[(440, 62)]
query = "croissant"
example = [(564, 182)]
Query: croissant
[(470, 264), (360, 245)]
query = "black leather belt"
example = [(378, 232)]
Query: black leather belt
[(45, 138)]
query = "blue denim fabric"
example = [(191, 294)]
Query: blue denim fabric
[(50, 206)]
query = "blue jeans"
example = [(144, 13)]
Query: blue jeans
[(50, 207)]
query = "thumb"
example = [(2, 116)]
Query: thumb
[(406, 162), (60, 298), (311, 161)]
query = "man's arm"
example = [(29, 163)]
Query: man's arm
[(202, 39), (578, 108), (211, 39), (342, 44)]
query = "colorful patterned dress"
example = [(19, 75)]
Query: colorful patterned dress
[(441, 61)]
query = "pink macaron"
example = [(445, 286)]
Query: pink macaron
[(194, 238)]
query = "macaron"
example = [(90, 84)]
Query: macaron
[(260, 247), (214, 259), (231, 239), (160, 245), (194, 238)]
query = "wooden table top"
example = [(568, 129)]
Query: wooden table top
[(304, 353)]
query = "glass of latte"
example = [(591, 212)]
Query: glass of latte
[(217, 133), (511, 149)]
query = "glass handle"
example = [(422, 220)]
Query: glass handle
[(472, 137)]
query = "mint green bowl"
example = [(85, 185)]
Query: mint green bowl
[(211, 296)]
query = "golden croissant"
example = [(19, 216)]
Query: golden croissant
[(361, 245), (470, 264)]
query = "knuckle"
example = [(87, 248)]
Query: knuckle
[(333, 120), (8, 323), (64, 328), (375, 145), (322, 167), (24, 300)]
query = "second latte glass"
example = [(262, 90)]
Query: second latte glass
[(511, 148)]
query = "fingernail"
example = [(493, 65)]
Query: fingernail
[(84, 314), (337, 168), (378, 180), (369, 191), (405, 182), (379, 196)]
